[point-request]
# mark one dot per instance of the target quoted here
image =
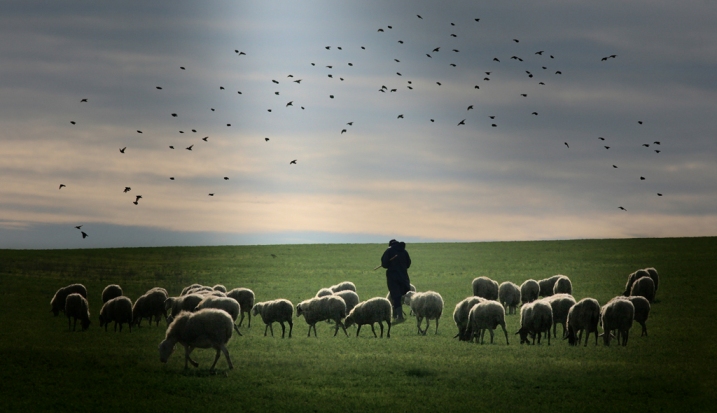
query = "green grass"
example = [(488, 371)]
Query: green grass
[(47, 368)]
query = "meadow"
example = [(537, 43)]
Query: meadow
[(47, 368)]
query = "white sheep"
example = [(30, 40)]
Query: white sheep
[(583, 316), (151, 304), (486, 316), (546, 285), (245, 297), (208, 328), (529, 291), (642, 311), (428, 305), (632, 278), (350, 298), (119, 310), (617, 314), (644, 287), (330, 307), (57, 303), (560, 304), (509, 296), (110, 292), (460, 315), (343, 286), (279, 311), (374, 310), (563, 286), (535, 318), (76, 307), (485, 287), (323, 292), (228, 304), (182, 303)]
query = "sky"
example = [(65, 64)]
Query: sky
[(269, 82)]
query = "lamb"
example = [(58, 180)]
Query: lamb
[(343, 286), (486, 315), (57, 303), (151, 304), (560, 304), (374, 310), (563, 286), (617, 314), (509, 296), (535, 318), (228, 304), (529, 291), (110, 292), (644, 287), (280, 311), (583, 316), (245, 298), (323, 292), (119, 310), (183, 303), (460, 315), (547, 284), (485, 287), (631, 280), (428, 305), (655, 277), (77, 307), (350, 298), (208, 328), (317, 309)]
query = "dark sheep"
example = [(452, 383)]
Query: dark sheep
[(58, 300)]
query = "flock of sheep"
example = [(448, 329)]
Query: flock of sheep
[(205, 317)]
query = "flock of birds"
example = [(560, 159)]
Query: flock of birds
[(535, 68)]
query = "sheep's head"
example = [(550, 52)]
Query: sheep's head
[(523, 335), (85, 324), (406, 299), (349, 321), (166, 348), (255, 309)]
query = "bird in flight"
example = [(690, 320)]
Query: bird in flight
[(62, 186), (470, 107), (84, 100), (189, 148), (535, 113), (293, 162), (226, 178), (73, 122), (463, 122), (78, 226), (84, 234), (211, 194), (266, 139), (290, 103), (400, 116), (566, 144), (622, 208), (343, 131), (136, 200), (640, 122), (122, 149), (205, 138), (350, 123), (298, 81)]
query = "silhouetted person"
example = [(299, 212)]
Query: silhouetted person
[(396, 261)]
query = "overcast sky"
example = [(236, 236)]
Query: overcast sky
[(403, 169)]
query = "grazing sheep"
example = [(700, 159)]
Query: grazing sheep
[(228, 304), (317, 309), (460, 315), (200, 290), (644, 287), (349, 297), (323, 292), (631, 280), (57, 303), (110, 292), (428, 305), (583, 316), (245, 298), (280, 311), (560, 304), (535, 318), (186, 289), (220, 288), (617, 314), (563, 286), (208, 328), (642, 311), (529, 291), (486, 288), (343, 286), (183, 303), (655, 277), (76, 307), (119, 310), (547, 284), (151, 304), (374, 310), (509, 296), (486, 315)]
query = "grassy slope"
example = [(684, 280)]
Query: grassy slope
[(47, 368)]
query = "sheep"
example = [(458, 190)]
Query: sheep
[(77, 307), (655, 277), (642, 311), (509, 296), (563, 286), (428, 305), (560, 304), (486, 315), (119, 310), (245, 298), (323, 292), (617, 314), (546, 285), (343, 286), (183, 303), (583, 316), (279, 310), (529, 291), (374, 310), (186, 289), (485, 287), (220, 288), (57, 303), (349, 297), (460, 315), (208, 328), (228, 304), (110, 292), (151, 304), (317, 309), (631, 280), (644, 287), (535, 318), (200, 290)]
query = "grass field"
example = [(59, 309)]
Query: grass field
[(47, 368)]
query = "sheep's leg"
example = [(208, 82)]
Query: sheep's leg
[(436, 326), (644, 329), (236, 328), (506, 334), (283, 329), (380, 324), (491, 335), (224, 350), (344, 327), (241, 319), (625, 335), (418, 323), (291, 327), (548, 336), (481, 333), (249, 317), (388, 333), (69, 324), (187, 351), (428, 324), (374, 331)]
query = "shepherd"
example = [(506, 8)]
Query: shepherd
[(396, 261)]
